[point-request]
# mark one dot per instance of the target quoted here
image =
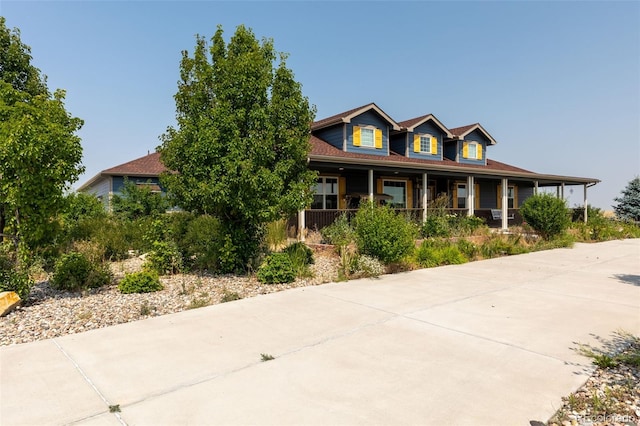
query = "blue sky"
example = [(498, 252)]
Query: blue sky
[(557, 84)]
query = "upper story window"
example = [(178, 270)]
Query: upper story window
[(367, 136), (425, 144), (472, 150)]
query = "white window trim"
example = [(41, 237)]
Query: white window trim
[(324, 193), (405, 189), (373, 136), (428, 136)]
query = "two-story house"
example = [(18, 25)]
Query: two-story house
[(363, 153)]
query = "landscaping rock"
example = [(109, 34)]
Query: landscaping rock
[(9, 300)]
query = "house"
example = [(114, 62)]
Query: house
[(141, 171), (364, 153)]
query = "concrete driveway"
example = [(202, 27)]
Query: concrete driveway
[(485, 343)]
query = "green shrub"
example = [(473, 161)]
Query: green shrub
[(436, 226), (546, 214), (116, 236), (13, 277), (340, 232), (140, 282), (276, 234), (468, 249), (382, 233), (276, 269), (201, 244), (164, 258), (433, 253), (301, 257), (74, 272), (503, 245)]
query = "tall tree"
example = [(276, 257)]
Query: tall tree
[(40, 153), (628, 207), (240, 147)]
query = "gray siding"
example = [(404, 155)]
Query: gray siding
[(524, 192)]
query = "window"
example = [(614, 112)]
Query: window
[(367, 137), (398, 191), (511, 196), (326, 193), (472, 150), (425, 144), (461, 196)]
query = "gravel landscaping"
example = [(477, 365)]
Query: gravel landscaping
[(611, 396)]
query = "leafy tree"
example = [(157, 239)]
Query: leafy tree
[(240, 147), (628, 207), (546, 214), (80, 205), (138, 201), (40, 153)]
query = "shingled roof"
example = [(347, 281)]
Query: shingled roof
[(461, 132), (149, 165), (345, 117)]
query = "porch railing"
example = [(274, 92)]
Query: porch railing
[(318, 219)]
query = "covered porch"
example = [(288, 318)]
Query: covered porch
[(492, 194)]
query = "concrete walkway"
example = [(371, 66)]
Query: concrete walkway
[(485, 343)]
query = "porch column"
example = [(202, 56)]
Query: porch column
[(505, 204), (562, 190), (585, 203), (425, 191), (535, 187), (471, 195), (371, 191), (301, 225)]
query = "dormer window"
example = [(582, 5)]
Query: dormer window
[(367, 136), (425, 144), (472, 150)]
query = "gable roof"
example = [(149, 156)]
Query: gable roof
[(411, 124), (345, 117), (324, 152), (461, 132), (147, 166)]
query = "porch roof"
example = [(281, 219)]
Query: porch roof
[(323, 152)]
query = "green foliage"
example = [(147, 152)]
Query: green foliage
[(229, 296), (436, 226), (240, 147), (164, 258), (628, 207), (79, 205), (441, 224), (382, 233), (13, 276), (439, 252), (202, 243), (340, 232), (40, 153), (276, 269), (503, 245), (468, 249), (301, 257), (138, 201), (140, 282), (114, 235), (75, 272), (546, 214)]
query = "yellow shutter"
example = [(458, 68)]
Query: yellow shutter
[(379, 186), (416, 143), (455, 196), (342, 191), (515, 197), (465, 150), (476, 193), (434, 145), (479, 151), (409, 194), (378, 134), (356, 135), (499, 196)]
